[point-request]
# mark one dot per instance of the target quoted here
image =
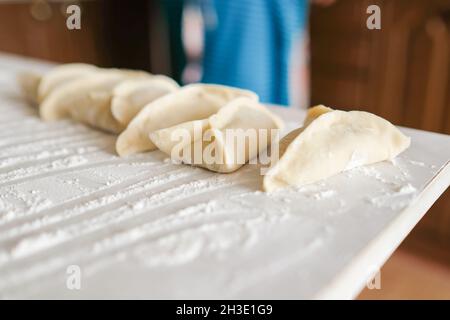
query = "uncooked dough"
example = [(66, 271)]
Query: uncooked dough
[(330, 142), (60, 75), (192, 102), (36, 87), (130, 96), (212, 143)]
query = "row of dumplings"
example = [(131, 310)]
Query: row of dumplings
[(146, 109)]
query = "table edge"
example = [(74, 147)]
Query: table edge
[(352, 279)]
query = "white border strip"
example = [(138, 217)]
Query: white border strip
[(376, 253)]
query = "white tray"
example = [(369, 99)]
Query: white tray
[(142, 227)]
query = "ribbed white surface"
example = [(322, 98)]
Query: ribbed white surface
[(143, 227)]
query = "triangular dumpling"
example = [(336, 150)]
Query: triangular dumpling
[(192, 102), (130, 96), (60, 75), (330, 142), (37, 86)]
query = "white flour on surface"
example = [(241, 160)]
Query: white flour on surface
[(66, 198)]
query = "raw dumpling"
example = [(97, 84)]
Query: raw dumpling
[(330, 142), (29, 83), (61, 75), (130, 96), (192, 102), (37, 87), (88, 99), (223, 142)]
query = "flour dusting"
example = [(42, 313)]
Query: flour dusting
[(67, 198)]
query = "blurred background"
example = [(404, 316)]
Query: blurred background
[(401, 72)]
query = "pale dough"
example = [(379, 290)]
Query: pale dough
[(130, 96), (330, 142), (192, 102), (88, 99)]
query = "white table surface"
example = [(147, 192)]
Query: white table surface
[(142, 227)]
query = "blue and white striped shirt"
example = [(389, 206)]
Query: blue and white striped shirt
[(250, 45)]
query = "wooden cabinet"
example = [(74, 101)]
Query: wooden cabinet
[(401, 72), (112, 33)]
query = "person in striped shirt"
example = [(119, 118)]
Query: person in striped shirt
[(251, 44)]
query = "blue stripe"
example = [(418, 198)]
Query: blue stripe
[(251, 44)]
